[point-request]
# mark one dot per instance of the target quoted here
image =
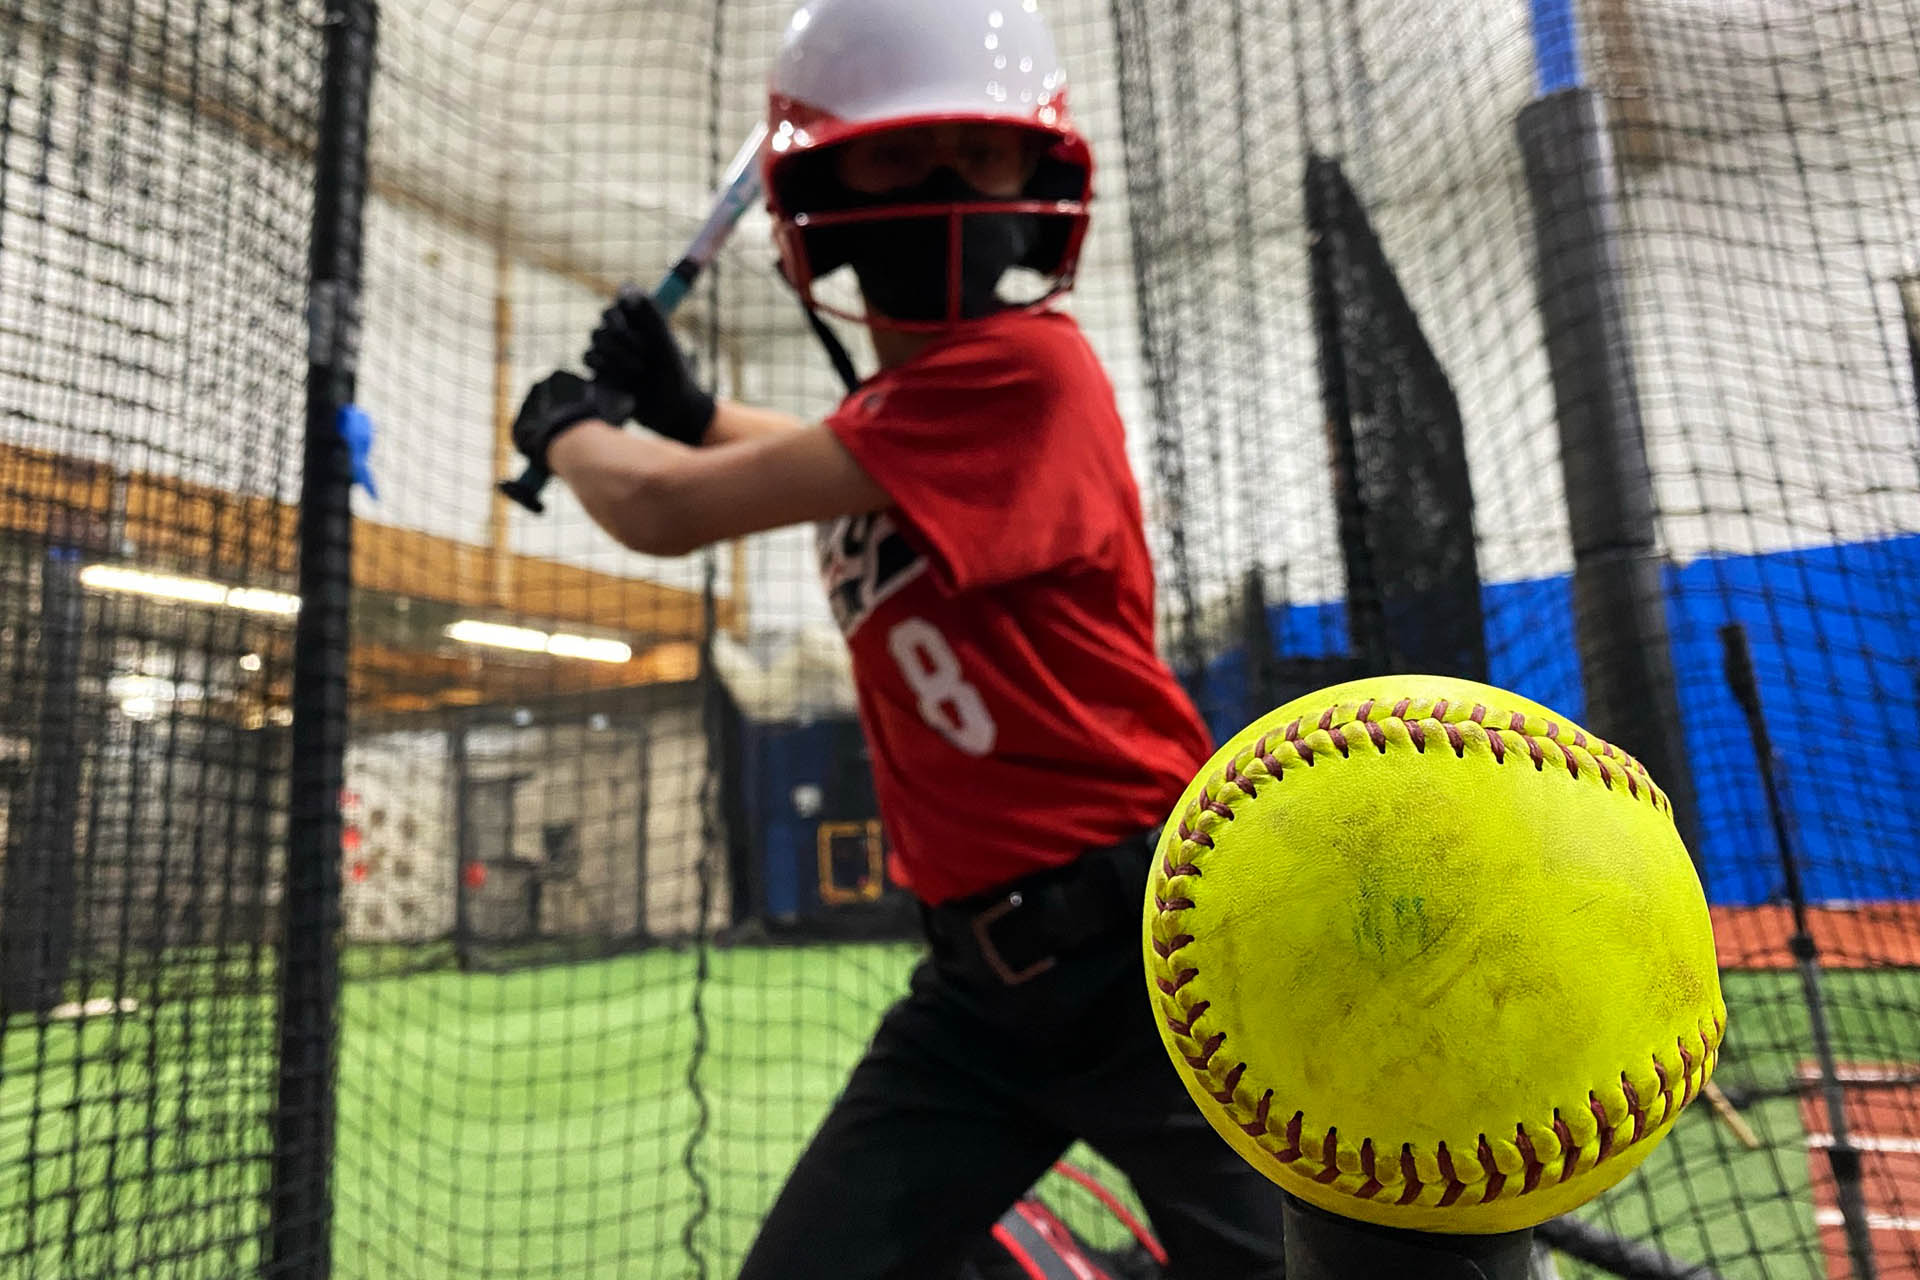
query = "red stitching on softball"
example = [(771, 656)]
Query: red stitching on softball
[(1539, 756), (1478, 715), (1237, 779), (1400, 708), (1191, 836), (1568, 1147), (1495, 1178), (1534, 1166), (1378, 735), (1456, 739), (1185, 1028), (1409, 1174), (1686, 1072), (1440, 709), (1634, 1109), (1215, 807), (1292, 1151), (1212, 1046), (1175, 872), (1329, 1157), (1606, 1128), (1454, 1186), (1498, 745), (1166, 949), (1257, 1127), (1224, 1094), (1372, 1186), (1172, 904), (1179, 980)]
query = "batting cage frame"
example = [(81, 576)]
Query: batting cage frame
[(396, 882)]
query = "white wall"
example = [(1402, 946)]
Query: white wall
[(1763, 260)]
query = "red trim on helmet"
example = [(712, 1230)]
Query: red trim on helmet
[(799, 128)]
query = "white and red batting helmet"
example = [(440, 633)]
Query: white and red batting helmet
[(850, 68)]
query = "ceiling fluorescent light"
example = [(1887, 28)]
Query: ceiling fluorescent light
[(527, 640), (160, 586), (562, 645)]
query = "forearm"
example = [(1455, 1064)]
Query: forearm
[(733, 422), (666, 499), (621, 478)]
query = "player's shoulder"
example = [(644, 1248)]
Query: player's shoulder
[(1046, 345)]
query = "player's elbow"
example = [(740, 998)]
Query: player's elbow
[(654, 517)]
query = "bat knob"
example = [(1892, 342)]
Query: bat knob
[(525, 490)]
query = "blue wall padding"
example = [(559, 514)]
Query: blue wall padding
[(1835, 635), (1556, 47), (777, 758)]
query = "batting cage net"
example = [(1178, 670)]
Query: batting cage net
[(398, 883)]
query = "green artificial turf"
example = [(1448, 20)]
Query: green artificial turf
[(541, 1123)]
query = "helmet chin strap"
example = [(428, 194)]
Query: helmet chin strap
[(836, 349)]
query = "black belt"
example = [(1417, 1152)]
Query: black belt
[(1018, 931)]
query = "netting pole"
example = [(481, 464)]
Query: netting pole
[(303, 1121), (1843, 1157), (1620, 613), (38, 886)]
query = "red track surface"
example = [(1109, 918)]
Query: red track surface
[(1868, 935), (1884, 1123)]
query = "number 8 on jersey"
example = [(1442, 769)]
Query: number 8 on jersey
[(947, 702)]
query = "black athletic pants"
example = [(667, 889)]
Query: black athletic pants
[(1028, 1026)]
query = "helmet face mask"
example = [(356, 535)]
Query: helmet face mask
[(925, 143)]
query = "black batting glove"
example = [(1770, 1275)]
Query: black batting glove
[(562, 400), (633, 351)]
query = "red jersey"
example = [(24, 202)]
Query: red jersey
[(1001, 614)]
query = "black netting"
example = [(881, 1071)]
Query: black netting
[(155, 179), (1424, 367)]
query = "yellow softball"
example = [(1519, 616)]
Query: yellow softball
[(1430, 956)]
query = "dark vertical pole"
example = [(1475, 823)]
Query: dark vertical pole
[(1842, 1156), (1910, 308), (464, 854), (37, 899), (1620, 612), (303, 1120)]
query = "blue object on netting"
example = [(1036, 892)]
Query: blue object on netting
[(1556, 45), (356, 428)]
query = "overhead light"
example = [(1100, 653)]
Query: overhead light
[(154, 689), (249, 662), (160, 586), (560, 644)]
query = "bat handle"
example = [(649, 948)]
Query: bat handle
[(525, 488)]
